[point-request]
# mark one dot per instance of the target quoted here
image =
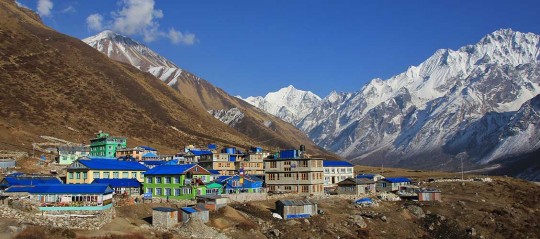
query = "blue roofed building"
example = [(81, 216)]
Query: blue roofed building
[(85, 171), (184, 181), (127, 186), (336, 171), (28, 180), (240, 184), (150, 157), (197, 155), (68, 197), (391, 184), (372, 177)]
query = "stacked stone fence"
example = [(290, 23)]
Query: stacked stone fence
[(83, 219)]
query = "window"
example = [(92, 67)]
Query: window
[(106, 175), (176, 192), (303, 164), (125, 174), (116, 175), (70, 175), (236, 183), (176, 179), (133, 174), (167, 192), (287, 163), (273, 164), (305, 189), (85, 175), (271, 176), (304, 176), (96, 175), (158, 191), (186, 191), (167, 179), (287, 169), (148, 190), (158, 179), (149, 179), (287, 175), (78, 175)]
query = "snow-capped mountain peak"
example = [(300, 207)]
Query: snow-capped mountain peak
[(288, 103)]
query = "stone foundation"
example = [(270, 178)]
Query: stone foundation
[(88, 220)]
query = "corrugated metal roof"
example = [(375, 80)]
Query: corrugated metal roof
[(336, 163), (154, 162), (296, 202), (71, 189), (150, 155), (189, 210), (119, 182), (107, 164), (18, 189), (213, 172), (164, 209), (173, 169), (31, 180), (200, 152), (147, 148), (397, 180)]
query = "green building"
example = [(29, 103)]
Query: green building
[(105, 146), (176, 181)]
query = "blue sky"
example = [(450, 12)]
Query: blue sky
[(253, 47)]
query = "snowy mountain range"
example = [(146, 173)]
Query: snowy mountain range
[(471, 103)]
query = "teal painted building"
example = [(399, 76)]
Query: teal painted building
[(176, 181), (105, 146)]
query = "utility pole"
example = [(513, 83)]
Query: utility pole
[(461, 168)]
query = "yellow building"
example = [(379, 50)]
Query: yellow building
[(85, 170)]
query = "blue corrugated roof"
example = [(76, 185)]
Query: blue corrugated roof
[(119, 182), (30, 180), (71, 189), (200, 152), (237, 177), (150, 155), (172, 169), (336, 163), (213, 172), (18, 189), (397, 180), (164, 209), (99, 158), (189, 210), (154, 162), (147, 148), (106, 164), (368, 176)]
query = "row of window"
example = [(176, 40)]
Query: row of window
[(303, 188), (296, 164), (297, 176), (335, 170), (176, 191), (175, 179), (83, 175)]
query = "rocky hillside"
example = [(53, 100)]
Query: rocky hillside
[(56, 85), (241, 116)]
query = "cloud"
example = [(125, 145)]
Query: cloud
[(69, 9), (178, 37), (44, 7), (140, 18), (95, 22)]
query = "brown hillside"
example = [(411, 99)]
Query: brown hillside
[(52, 84)]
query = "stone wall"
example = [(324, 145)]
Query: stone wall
[(89, 220)]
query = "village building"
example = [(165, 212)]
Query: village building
[(6, 164), (211, 202), (253, 163), (191, 213), (214, 188), (68, 154), (86, 170), (137, 153), (176, 181), (164, 217), (214, 174), (391, 184), (372, 177), (356, 186), (150, 157), (105, 146), (68, 197), (197, 155), (336, 171), (126, 186), (292, 172), (21, 179), (429, 194), (291, 209), (240, 184), (222, 162)]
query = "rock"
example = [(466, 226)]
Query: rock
[(471, 231), (384, 219), (307, 221), (13, 229), (441, 218), (275, 232), (359, 221), (462, 203), (417, 211), (291, 222)]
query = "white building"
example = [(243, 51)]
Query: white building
[(336, 171)]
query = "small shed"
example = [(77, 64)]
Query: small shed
[(290, 209), (356, 186), (428, 194), (164, 217), (391, 184), (187, 213), (211, 202)]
